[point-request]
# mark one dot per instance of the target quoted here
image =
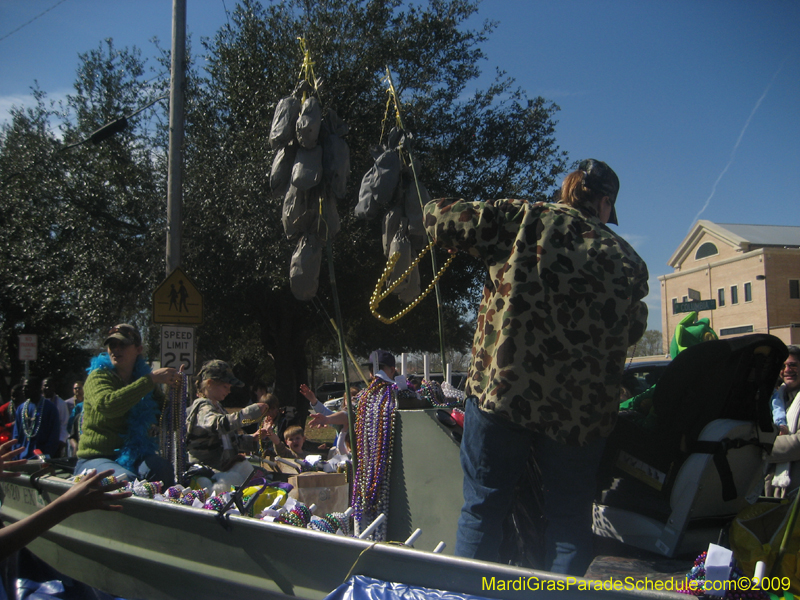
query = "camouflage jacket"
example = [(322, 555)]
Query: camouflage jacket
[(212, 434), (561, 304)]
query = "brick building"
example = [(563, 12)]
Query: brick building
[(752, 272)]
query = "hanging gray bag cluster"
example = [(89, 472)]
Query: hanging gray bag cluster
[(390, 186), (310, 170)]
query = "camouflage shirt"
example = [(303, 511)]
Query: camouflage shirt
[(561, 304), (212, 434)]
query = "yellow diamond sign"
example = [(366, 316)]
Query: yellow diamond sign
[(177, 301)]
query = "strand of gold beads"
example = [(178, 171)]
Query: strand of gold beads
[(378, 297)]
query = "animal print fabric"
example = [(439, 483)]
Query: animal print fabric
[(561, 304)]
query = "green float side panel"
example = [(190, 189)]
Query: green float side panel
[(425, 480)]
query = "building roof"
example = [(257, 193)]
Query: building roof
[(742, 237), (765, 235)]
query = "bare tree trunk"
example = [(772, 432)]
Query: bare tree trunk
[(285, 330)]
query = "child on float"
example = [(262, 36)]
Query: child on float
[(293, 441), (212, 434), (276, 414)]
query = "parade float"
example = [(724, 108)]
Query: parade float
[(670, 484)]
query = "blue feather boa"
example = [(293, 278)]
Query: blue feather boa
[(137, 442)]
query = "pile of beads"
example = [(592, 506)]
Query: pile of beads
[(330, 523), (453, 394), (342, 521), (432, 392), (736, 592), (174, 493), (374, 437), (299, 516), (109, 481), (147, 489), (321, 524), (215, 503), (190, 496)]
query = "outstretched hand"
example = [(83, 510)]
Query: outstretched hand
[(318, 420), (167, 375), (306, 391), (90, 494), (5, 455)]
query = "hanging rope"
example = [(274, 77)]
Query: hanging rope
[(377, 297), (307, 75)]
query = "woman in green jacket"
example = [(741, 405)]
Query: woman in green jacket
[(120, 410)]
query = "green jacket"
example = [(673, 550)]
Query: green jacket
[(561, 304), (106, 403)]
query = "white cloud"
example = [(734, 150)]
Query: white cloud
[(26, 101), (636, 240), (8, 102)]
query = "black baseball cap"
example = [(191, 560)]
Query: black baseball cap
[(601, 179), (382, 357)]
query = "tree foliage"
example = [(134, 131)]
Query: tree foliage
[(651, 344), (83, 228), (496, 143), (80, 222)]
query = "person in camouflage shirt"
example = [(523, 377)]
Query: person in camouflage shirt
[(212, 434), (561, 304)]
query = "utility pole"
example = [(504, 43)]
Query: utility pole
[(175, 170)]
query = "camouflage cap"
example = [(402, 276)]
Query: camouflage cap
[(218, 370), (600, 178), (125, 333)]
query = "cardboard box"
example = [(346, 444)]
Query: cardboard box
[(329, 491)]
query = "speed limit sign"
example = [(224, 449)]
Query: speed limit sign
[(177, 347)]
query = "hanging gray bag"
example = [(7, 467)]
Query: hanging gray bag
[(413, 208), (392, 221), (333, 125), (400, 244), (378, 185), (411, 289), (307, 168), (284, 121), (336, 164), (309, 123), (304, 267), (282, 168), (299, 212)]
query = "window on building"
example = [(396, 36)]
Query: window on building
[(794, 288), (734, 294), (748, 292), (706, 250), (721, 297), (736, 330)]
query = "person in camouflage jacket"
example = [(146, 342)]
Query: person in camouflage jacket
[(562, 302), (212, 434)]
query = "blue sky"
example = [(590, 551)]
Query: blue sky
[(694, 103)]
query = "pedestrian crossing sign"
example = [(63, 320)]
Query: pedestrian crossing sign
[(177, 301)]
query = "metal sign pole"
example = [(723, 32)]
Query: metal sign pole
[(176, 117)]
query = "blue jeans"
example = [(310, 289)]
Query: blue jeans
[(494, 453), (152, 468)]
